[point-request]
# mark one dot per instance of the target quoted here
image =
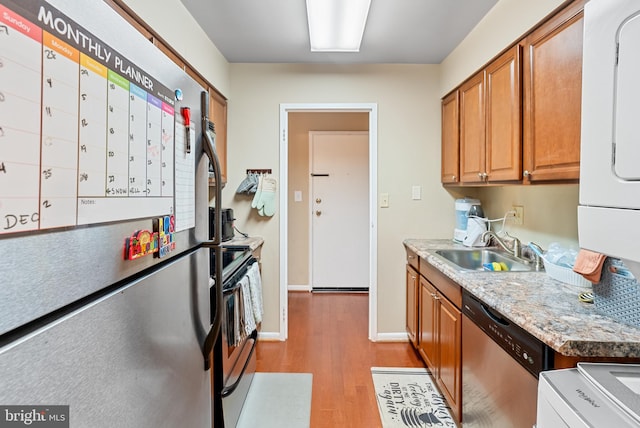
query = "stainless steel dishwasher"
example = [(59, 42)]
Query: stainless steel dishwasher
[(500, 367)]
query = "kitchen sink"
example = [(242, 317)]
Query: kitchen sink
[(476, 259)]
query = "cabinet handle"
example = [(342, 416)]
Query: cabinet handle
[(526, 173), (410, 257), (480, 175), (453, 178)]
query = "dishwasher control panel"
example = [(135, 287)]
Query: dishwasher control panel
[(527, 350)]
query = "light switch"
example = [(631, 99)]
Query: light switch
[(384, 200), (297, 196), (416, 193)]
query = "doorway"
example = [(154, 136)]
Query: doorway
[(339, 208), (370, 109)]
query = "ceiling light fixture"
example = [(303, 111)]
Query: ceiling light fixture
[(336, 25)]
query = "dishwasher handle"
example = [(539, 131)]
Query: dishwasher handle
[(494, 316)]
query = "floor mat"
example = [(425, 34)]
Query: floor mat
[(408, 397), (277, 400)]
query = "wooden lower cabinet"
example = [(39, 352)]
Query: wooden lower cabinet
[(427, 343), (412, 305), (449, 371), (440, 343)]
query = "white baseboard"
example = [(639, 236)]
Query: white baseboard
[(269, 336), (382, 337), (391, 337), (299, 288)]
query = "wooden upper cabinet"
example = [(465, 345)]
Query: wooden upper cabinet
[(552, 97), (490, 122), (218, 115), (472, 131), (504, 118), (450, 139)]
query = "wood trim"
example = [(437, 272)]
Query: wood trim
[(125, 11)]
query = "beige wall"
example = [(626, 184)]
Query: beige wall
[(299, 126), (408, 154)]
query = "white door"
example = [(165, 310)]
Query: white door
[(339, 210)]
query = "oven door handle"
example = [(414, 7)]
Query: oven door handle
[(229, 389), (227, 291)]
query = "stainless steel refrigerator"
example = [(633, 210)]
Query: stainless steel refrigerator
[(90, 316)]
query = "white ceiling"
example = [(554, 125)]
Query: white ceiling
[(397, 31)]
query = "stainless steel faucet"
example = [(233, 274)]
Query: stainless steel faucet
[(516, 249)]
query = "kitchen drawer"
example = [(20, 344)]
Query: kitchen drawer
[(413, 259), (444, 284)]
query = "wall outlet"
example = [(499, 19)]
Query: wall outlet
[(518, 218)]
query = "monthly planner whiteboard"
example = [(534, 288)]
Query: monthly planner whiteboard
[(86, 135)]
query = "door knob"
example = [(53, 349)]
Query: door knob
[(318, 213), (318, 200)]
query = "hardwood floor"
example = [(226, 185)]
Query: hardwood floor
[(328, 337)]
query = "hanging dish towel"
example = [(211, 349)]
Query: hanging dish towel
[(589, 265), (255, 285), (247, 308)]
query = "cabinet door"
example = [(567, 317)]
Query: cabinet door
[(472, 130), (218, 115), (412, 305), (552, 97), (427, 345), (448, 376), (450, 138), (503, 110)]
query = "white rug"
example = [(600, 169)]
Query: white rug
[(408, 397), (277, 400)]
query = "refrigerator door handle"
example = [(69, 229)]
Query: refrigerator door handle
[(209, 147)]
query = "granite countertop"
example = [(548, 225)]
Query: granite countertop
[(546, 308)]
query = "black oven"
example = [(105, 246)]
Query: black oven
[(235, 348)]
